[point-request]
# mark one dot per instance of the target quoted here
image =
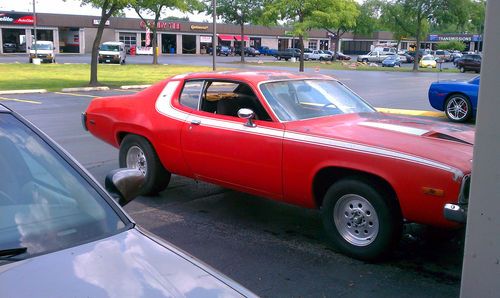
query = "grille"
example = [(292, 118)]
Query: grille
[(464, 190)]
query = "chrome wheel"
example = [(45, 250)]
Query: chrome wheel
[(136, 159), (457, 108), (356, 220)]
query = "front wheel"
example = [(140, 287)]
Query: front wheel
[(364, 60), (458, 108), (137, 153), (361, 220), (462, 69)]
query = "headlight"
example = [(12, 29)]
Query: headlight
[(100, 56)]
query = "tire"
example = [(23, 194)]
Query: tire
[(374, 225), (462, 69), (137, 152), (364, 60), (458, 108)]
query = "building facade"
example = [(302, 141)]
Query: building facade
[(76, 34)]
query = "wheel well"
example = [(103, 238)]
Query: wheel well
[(120, 136), (450, 95), (328, 176)]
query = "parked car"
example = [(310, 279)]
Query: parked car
[(442, 55), (421, 53), (112, 52), (319, 55), (455, 55), (43, 50), (469, 62), (288, 54), (247, 51), (392, 61), (374, 57), (338, 55), (428, 61), (265, 50), (406, 58), (458, 99), (64, 235), (354, 161), (9, 47)]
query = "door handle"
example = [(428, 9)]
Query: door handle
[(195, 122)]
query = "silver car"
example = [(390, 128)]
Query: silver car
[(62, 235)]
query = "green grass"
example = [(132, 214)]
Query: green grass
[(351, 65), (54, 77)]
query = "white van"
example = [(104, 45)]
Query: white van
[(43, 50), (112, 52)]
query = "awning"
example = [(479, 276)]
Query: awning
[(225, 37), (238, 37)]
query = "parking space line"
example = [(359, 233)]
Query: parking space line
[(20, 100), (76, 94), (412, 112)]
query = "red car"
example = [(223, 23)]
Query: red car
[(302, 139)]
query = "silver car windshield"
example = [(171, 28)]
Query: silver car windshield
[(311, 98), (45, 204), (110, 48), (42, 46)]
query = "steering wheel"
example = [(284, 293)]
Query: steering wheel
[(6, 199), (327, 105)]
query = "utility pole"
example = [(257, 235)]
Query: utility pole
[(34, 27), (214, 36)]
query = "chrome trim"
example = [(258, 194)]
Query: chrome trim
[(247, 114), (455, 213)]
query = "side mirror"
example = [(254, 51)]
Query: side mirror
[(247, 114), (124, 184)]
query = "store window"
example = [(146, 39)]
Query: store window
[(324, 44), (168, 43), (189, 44), (255, 42), (129, 39), (312, 44)]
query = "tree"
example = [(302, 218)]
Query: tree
[(413, 18), (336, 17), (297, 13), (239, 12), (156, 8), (369, 19), (452, 45), (108, 9)]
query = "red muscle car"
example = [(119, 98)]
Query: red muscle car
[(302, 139)]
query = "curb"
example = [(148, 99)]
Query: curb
[(5, 92), (134, 87), (103, 88)]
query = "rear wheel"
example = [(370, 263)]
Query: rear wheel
[(364, 60), (458, 108), (462, 69), (361, 220), (137, 153)]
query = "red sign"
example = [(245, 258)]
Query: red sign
[(16, 18), (162, 25)]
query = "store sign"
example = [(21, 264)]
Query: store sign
[(16, 18), (162, 25), (450, 37), (198, 27), (288, 33), (97, 22), (206, 39)]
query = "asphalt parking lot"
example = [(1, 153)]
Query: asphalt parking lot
[(275, 250)]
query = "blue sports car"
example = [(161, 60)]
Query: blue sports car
[(458, 99)]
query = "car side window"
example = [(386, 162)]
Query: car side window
[(226, 98), (190, 95)]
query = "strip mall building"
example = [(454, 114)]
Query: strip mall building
[(76, 33)]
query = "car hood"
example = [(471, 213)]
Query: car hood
[(442, 142), (128, 264), (42, 51)]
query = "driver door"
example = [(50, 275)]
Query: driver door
[(219, 148)]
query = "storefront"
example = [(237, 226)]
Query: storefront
[(15, 33)]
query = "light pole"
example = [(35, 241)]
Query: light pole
[(214, 36), (34, 27)]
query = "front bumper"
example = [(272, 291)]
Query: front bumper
[(455, 213)]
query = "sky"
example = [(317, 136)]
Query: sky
[(73, 7)]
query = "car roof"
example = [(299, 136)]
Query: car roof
[(253, 76)]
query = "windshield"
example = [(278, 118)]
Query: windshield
[(42, 46), (45, 204), (111, 48), (428, 58), (305, 99)]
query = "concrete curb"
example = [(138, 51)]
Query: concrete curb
[(5, 92), (134, 87), (103, 88)]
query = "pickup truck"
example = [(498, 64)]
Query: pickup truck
[(319, 55), (288, 53), (374, 57)]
